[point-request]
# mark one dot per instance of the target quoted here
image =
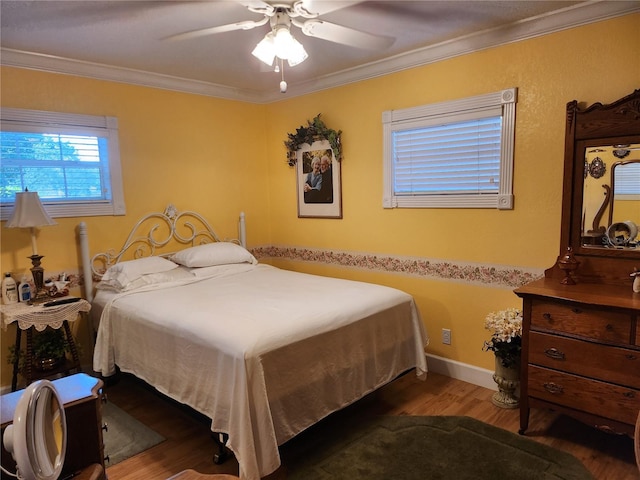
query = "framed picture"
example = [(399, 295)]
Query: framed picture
[(318, 181)]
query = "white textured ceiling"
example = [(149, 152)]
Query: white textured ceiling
[(126, 40)]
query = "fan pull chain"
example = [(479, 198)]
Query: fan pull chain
[(283, 84)]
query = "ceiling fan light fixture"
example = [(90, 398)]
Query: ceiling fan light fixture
[(297, 54), (287, 47), (280, 43), (265, 50)]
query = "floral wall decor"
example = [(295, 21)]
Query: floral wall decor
[(314, 131)]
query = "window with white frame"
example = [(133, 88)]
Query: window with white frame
[(72, 161), (455, 154)]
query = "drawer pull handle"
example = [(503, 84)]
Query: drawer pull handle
[(547, 316), (609, 327), (609, 430), (630, 357), (105, 427), (107, 459), (554, 353), (553, 388), (576, 310), (629, 394)]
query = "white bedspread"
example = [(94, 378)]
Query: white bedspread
[(263, 352)]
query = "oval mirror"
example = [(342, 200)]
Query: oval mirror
[(37, 439)]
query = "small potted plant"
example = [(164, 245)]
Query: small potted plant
[(506, 344), (506, 339), (49, 350)]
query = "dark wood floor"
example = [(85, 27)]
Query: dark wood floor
[(189, 445)]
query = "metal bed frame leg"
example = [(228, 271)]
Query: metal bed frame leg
[(223, 452)]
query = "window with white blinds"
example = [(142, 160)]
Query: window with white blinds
[(456, 154), (72, 161), (627, 181)]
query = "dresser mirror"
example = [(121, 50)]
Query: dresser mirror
[(611, 197), (601, 201)]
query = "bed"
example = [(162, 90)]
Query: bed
[(263, 352)]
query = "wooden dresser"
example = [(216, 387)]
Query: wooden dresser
[(581, 322), (581, 353)]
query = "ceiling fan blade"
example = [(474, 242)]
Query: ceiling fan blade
[(313, 8), (257, 6), (347, 36), (246, 25)]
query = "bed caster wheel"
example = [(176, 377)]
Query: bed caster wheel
[(220, 458), (223, 453)]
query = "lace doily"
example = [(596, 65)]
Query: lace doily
[(42, 317)]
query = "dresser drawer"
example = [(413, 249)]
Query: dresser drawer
[(592, 396), (596, 324), (610, 364)]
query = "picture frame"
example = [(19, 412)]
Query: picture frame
[(314, 200)]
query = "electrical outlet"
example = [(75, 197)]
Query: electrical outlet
[(446, 336)]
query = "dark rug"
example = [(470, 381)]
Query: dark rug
[(125, 436), (413, 447)]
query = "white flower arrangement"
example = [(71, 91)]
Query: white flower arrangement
[(506, 339)]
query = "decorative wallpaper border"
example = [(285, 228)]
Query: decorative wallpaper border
[(483, 274), (447, 270)]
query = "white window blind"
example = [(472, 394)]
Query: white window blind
[(456, 158), (72, 161), (456, 154), (627, 180)]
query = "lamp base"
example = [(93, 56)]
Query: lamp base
[(40, 294), (41, 298)]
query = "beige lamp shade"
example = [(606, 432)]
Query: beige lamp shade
[(29, 212)]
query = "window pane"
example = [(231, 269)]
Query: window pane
[(627, 179), (59, 167), (9, 179), (456, 158)]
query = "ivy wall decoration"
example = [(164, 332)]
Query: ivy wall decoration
[(314, 131)]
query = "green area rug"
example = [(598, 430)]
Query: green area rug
[(413, 447), (125, 436)]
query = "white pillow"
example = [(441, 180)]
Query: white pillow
[(210, 254), (121, 274), (175, 275), (219, 270)]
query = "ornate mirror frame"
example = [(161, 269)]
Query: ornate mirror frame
[(615, 124)]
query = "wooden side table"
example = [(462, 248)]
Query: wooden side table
[(40, 317)]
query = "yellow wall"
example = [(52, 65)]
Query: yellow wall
[(220, 157), (582, 63), (197, 152)]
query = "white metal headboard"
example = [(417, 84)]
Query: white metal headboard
[(142, 241)]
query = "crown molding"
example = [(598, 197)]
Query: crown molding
[(563, 19), (69, 66)]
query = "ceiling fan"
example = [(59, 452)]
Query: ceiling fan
[(280, 44)]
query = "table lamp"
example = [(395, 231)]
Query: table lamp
[(28, 212)]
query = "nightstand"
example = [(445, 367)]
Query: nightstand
[(40, 317)]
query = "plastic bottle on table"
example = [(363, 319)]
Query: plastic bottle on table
[(24, 290), (9, 289)]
